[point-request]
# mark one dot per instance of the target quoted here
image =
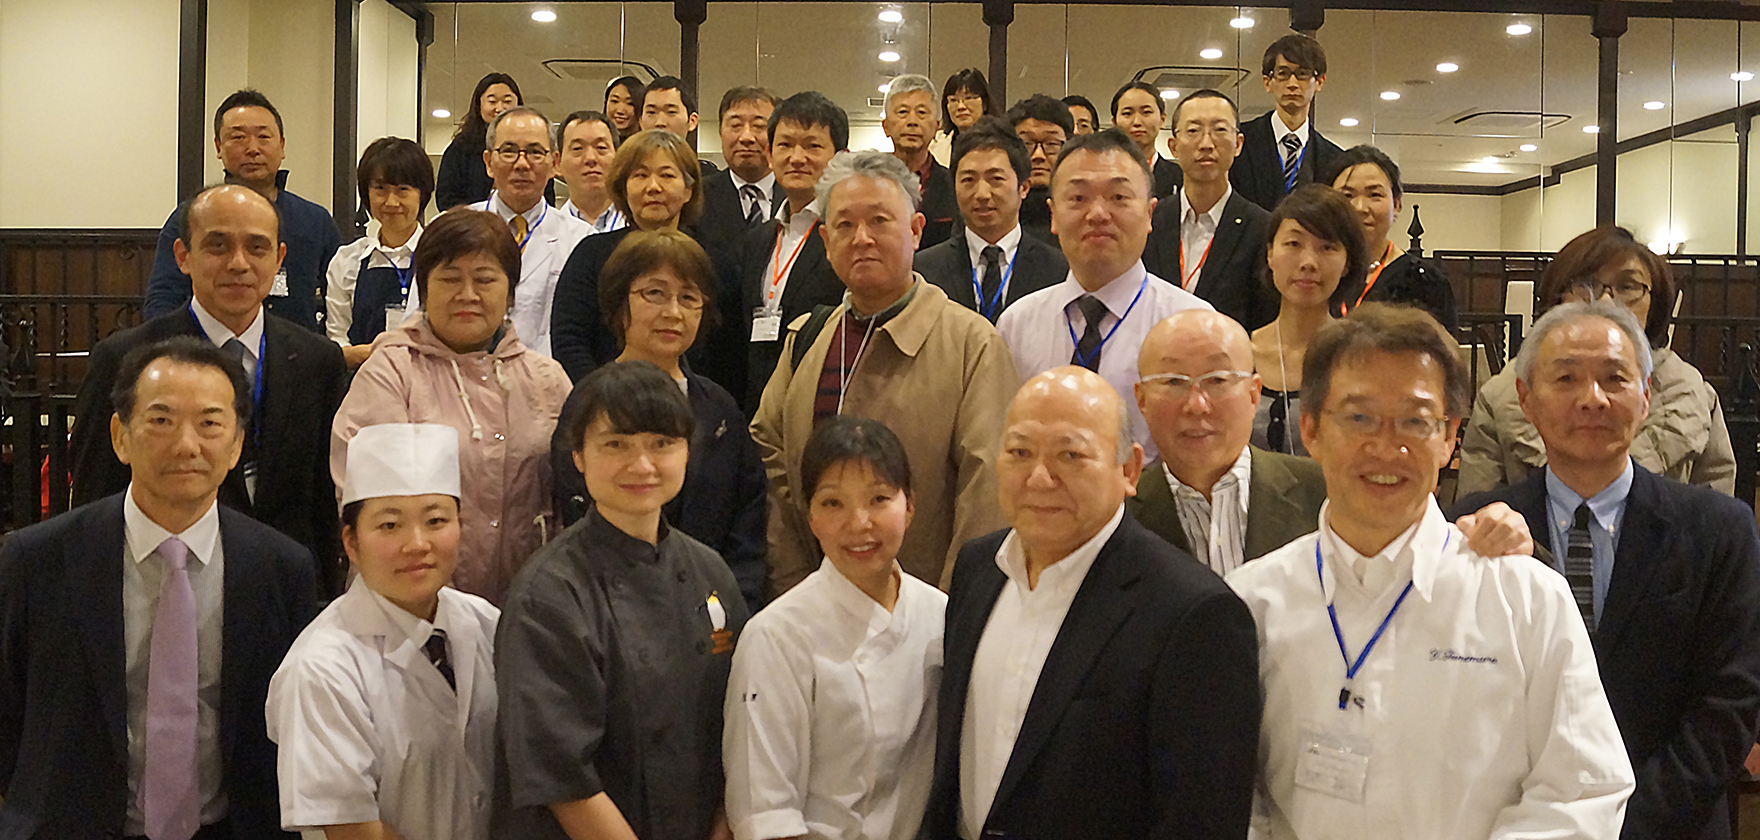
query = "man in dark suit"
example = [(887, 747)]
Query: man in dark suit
[(1226, 233), (745, 195), (1667, 575), (138, 633), (1137, 110), (1045, 125), (1281, 148), (1097, 682), (991, 257), (911, 120), (783, 272), (230, 247)]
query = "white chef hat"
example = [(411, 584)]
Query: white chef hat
[(401, 459)]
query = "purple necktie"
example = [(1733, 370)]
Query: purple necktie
[(168, 795)]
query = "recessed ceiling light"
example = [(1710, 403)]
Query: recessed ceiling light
[(1518, 29), (1447, 67), (1591, 129), (1655, 105), (441, 113), (1242, 22), (544, 16), (1348, 122), (1530, 147), (1491, 159), (1390, 95), (889, 55), (886, 87), (1211, 53), (1741, 76), (1169, 93), (891, 16)]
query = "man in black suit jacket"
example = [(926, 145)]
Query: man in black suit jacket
[(745, 195), (283, 480), (1097, 682), (83, 599), (1229, 232), (1294, 70), (1675, 621), (992, 171), (911, 119)]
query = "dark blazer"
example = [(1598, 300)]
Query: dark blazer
[(304, 380), (723, 223), (940, 207), (1036, 216), (1409, 279), (949, 265), (579, 338), (1678, 644), (1145, 719), (811, 282), (723, 501), (1232, 277), (1168, 177), (1257, 172), (63, 700), (1283, 503)]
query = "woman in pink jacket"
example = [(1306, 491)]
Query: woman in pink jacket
[(462, 365)]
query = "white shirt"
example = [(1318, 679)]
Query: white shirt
[(1005, 669), (345, 269), (251, 338), (1280, 131), (795, 228), (1037, 330), (1196, 231), (1481, 706), (368, 728), (1010, 243), (553, 237), (830, 725), (143, 573), (1216, 527), (764, 185), (605, 222)]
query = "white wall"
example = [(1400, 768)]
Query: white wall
[(1544, 220), (389, 95), (88, 89), (284, 48), (1453, 222)]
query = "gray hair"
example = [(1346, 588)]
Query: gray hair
[(520, 111), (1565, 313), (909, 83), (880, 166)]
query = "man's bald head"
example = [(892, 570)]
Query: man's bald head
[(1071, 389), (229, 245), (1222, 339), (1198, 393), (225, 197)]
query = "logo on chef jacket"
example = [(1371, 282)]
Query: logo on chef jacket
[(718, 632)]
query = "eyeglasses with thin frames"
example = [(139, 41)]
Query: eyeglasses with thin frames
[(656, 296), (512, 154), (1416, 428), (1212, 385), (1625, 291)]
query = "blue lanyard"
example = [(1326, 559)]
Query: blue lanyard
[(1070, 325), (1350, 668), (534, 228), (989, 308), (256, 378)]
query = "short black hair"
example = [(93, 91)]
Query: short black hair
[(842, 439), (669, 83), (968, 79), (1325, 213), (1106, 140), (588, 116), (351, 513), (1359, 155), (183, 349), (185, 226), (1298, 49), (744, 93), (1207, 93), (812, 109), (397, 162), (636, 397), (992, 133), (1044, 109), (1076, 100), (1153, 91), (1385, 328), (246, 98)]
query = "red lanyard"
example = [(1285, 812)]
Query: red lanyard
[(1188, 281), (778, 268), (1380, 267)]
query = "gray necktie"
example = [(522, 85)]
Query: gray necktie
[(236, 349), (752, 196), (1088, 349), (1579, 565)]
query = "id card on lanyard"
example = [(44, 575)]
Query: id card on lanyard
[(767, 319), (395, 313)]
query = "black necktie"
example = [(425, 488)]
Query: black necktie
[(1292, 158), (992, 257), (1088, 349), (1579, 568), (436, 651), (752, 196)]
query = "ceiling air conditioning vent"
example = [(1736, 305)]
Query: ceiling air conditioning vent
[(1186, 79), (599, 69), (1507, 123), (876, 102)]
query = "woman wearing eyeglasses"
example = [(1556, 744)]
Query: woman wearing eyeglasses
[(964, 98), (1683, 438), (657, 294), (1369, 179)]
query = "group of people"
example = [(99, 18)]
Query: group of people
[(874, 495)]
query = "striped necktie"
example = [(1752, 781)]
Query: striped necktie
[(436, 651), (1579, 565), (752, 196), (1292, 159)]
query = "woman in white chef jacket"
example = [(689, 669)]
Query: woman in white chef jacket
[(830, 725), (384, 708)]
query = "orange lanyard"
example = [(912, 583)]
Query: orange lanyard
[(1188, 281), (778, 268), (1382, 266)]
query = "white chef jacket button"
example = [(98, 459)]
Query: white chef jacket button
[(494, 523)]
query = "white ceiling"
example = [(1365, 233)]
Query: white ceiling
[(1092, 49)]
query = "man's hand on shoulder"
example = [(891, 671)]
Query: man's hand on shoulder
[(1496, 530)]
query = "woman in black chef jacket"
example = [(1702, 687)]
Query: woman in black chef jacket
[(1369, 179)]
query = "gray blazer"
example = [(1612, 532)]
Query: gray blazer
[(1283, 503)]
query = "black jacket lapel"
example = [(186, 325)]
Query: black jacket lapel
[(1644, 535), (102, 628)]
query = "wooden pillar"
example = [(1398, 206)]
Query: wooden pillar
[(1609, 25), (192, 97), (690, 15), (998, 14), (345, 119)]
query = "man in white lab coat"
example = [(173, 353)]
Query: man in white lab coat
[(384, 709), (1413, 688)]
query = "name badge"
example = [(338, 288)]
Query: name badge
[(766, 325), (280, 287), (393, 316), (719, 635), (1333, 762)]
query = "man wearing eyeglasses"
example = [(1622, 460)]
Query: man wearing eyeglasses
[(1414, 688), (1282, 149), (1211, 240), (1666, 575), (521, 158), (1044, 124)]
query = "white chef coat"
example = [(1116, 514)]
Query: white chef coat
[(830, 726), (369, 730), (553, 237), (1481, 705)]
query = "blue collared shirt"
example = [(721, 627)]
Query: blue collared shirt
[(1607, 510)]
